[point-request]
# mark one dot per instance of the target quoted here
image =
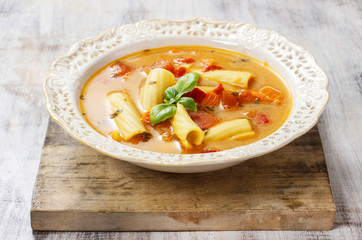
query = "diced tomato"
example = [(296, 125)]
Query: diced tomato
[(210, 151), (165, 129), (120, 69), (211, 99), (146, 117), (211, 68), (184, 60), (163, 63), (203, 119), (219, 88), (179, 71), (197, 94), (228, 100), (261, 118), (247, 96)]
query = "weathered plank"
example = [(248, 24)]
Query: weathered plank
[(78, 188), (34, 33)]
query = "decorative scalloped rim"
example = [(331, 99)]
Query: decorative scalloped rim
[(62, 86)]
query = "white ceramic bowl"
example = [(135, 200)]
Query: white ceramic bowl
[(69, 73)]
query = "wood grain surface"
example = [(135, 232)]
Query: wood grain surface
[(34, 33), (78, 188)]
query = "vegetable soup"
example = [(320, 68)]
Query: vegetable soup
[(186, 99)]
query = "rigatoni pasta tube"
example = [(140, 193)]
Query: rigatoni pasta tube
[(185, 129), (126, 116), (234, 129), (237, 78), (158, 80)]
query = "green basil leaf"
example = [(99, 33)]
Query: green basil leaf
[(188, 103), (170, 95), (187, 83), (161, 112)]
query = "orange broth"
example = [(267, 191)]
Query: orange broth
[(97, 111)]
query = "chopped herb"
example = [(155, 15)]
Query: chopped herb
[(244, 60), (116, 113), (235, 94), (152, 82), (212, 51), (146, 136), (84, 113), (210, 108), (241, 60), (146, 50), (81, 97), (256, 101)]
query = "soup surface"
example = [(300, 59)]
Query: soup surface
[(221, 96)]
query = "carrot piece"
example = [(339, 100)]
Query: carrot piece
[(211, 99), (219, 88), (203, 119), (184, 60), (146, 117), (228, 100), (179, 71), (271, 93), (247, 96), (163, 63), (120, 69)]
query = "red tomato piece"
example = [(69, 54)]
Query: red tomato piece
[(219, 88), (211, 99), (163, 63), (228, 100), (197, 94), (179, 71), (261, 118), (203, 119), (210, 151), (211, 68), (184, 60), (120, 69)]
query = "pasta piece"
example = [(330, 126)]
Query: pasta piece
[(185, 129), (234, 129), (236, 78), (158, 80), (126, 116), (226, 87)]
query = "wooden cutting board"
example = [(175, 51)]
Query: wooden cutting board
[(79, 189)]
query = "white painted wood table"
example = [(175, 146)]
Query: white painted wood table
[(34, 33)]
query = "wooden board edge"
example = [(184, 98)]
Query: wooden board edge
[(160, 221)]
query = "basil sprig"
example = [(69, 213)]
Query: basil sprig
[(173, 95)]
